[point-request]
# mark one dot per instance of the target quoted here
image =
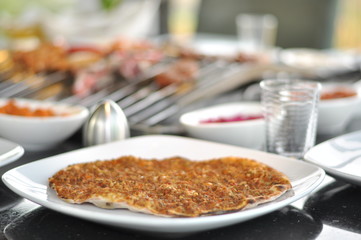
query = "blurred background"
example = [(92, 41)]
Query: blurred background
[(171, 54), (301, 23)]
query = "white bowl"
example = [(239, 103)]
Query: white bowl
[(335, 114), (246, 133), (40, 133)]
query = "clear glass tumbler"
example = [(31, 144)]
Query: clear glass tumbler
[(290, 108), (256, 32)]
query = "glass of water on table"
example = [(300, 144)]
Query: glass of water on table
[(290, 108)]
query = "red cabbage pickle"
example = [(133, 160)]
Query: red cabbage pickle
[(235, 118)]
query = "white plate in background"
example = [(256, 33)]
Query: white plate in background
[(31, 182), (320, 61), (339, 157), (9, 152)]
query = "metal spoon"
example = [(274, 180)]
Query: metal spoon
[(107, 123)]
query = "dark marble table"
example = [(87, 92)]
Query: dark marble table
[(331, 212)]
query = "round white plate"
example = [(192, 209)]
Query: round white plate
[(31, 182)]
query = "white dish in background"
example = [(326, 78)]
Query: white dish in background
[(9, 152), (31, 181), (339, 157), (40, 133), (246, 133), (319, 61), (215, 45), (335, 114)]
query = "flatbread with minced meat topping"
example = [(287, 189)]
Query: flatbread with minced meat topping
[(172, 187)]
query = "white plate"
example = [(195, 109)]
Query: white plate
[(321, 61), (215, 45), (31, 181), (9, 152), (339, 157)]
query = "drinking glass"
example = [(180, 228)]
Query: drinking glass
[(183, 20), (256, 32), (290, 108)]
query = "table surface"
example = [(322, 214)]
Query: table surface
[(330, 212)]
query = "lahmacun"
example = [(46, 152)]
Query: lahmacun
[(172, 187)]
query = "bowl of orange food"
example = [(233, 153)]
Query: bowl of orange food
[(339, 102), (239, 123), (39, 125)]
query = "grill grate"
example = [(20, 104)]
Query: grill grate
[(148, 107)]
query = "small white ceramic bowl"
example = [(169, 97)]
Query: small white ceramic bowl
[(335, 114), (245, 133), (40, 133)]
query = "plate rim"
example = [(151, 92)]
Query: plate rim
[(11, 155), (352, 178)]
